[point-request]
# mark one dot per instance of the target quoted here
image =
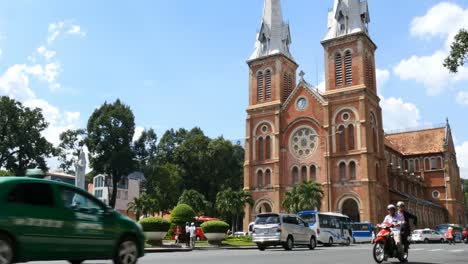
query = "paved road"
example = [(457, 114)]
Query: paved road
[(419, 254)]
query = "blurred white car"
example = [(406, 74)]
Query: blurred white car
[(426, 235)]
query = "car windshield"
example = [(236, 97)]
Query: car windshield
[(267, 219), (417, 232)]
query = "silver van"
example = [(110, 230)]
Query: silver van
[(287, 230)]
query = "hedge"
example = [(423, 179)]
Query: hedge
[(182, 214), (155, 224), (215, 227)]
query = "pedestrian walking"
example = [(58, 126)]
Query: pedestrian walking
[(193, 235), (449, 235), (187, 234), (178, 233), (465, 235)]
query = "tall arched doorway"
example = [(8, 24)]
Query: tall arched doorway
[(351, 208)]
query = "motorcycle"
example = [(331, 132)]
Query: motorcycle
[(385, 246)]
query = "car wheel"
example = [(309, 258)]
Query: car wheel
[(330, 242), (261, 247), (76, 261), (426, 240), (289, 245), (312, 243), (6, 250), (127, 252)]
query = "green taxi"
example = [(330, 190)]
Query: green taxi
[(48, 220)]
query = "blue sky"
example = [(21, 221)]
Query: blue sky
[(181, 63)]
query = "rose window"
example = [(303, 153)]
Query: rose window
[(303, 142)]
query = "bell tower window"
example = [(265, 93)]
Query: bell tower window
[(348, 68), (268, 85), (338, 70), (260, 87)]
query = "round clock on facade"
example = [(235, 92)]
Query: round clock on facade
[(301, 104)]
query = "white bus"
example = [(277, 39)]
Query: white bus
[(331, 228)]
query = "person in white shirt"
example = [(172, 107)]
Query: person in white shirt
[(193, 235), (396, 220), (187, 234)]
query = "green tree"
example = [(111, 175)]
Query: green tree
[(164, 183), (110, 132), (196, 200), (305, 196), (144, 205), (145, 148), (459, 52), (22, 144), (71, 143), (231, 203)]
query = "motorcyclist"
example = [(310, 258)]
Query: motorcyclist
[(406, 227), (396, 220)]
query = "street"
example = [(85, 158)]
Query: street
[(419, 254)]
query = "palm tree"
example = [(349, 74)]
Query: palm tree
[(144, 205), (231, 203), (307, 195), (196, 200), (136, 206)]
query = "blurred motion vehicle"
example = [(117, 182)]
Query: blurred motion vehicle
[(49, 220), (442, 229), (426, 235), (331, 228), (363, 232), (286, 230)]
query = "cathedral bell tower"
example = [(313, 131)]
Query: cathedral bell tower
[(354, 114), (272, 78)]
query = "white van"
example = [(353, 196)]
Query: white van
[(331, 228)]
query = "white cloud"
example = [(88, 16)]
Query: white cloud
[(443, 20), (398, 114), (321, 87), (462, 98), (15, 83), (429, 71), (462, 159), (0, 52), (76, 30), (382, 77), (138, 131), (47, 54), (56, 29)]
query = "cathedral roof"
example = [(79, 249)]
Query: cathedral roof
[(347, 17), (418, 142), (274, 36), (309, 88)]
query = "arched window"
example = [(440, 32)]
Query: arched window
[(427, 166), (313, 173), (395, 184), (341, 138), (268, 85), (434, 164), (373, 123), (338, 70), (285, 87), (405, 165), (260, 149), (348, 68), (439, 163), (267, 178), (295, 175), (260, 86), (351, 137), (411, 165), (342, 171), (352, 170), (304, 174), (416, 165), (260, 179), (268, 148)]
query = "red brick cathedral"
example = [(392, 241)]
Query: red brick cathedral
[(296, 133)]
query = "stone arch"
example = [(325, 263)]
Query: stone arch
[(264, 205), (350, 205)]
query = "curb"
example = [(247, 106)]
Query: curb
[(225, 248), (166, 250)]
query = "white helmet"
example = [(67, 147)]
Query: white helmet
[(400, 203), (391, 206)]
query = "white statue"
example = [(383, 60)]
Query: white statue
[(80, 169)]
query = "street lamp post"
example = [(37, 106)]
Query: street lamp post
[(327, 156)]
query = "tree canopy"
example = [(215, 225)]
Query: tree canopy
[(23, 145), (459, 52), (305, 196), (196, 200)]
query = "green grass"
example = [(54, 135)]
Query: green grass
[(237, 243)]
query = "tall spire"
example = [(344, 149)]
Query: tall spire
[(274, 36), (347, 17)]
